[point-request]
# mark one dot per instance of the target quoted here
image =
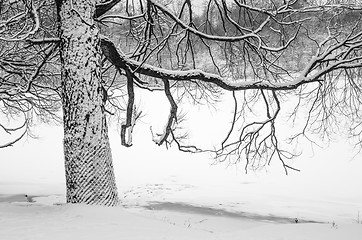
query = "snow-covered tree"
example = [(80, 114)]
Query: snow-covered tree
[(78, 53)]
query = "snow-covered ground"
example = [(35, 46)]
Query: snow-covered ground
[(48, 218), (173, 195)]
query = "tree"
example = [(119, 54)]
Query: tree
[(81, 53)]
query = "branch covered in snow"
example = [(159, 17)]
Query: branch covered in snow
[(120, 60), (127, 127), (262, 68), (172, 118), (13, 130)]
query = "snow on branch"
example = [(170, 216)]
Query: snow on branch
[(259, 50), (12, 130), (127, 127), (172, 118), (120, 60), (335, 53)]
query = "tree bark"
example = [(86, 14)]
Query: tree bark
[(88, 159)]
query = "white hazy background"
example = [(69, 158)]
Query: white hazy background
[(327, 188)]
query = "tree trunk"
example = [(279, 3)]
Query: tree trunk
[(88, 160)]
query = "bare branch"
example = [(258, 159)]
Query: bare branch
[(172, 118), (10, 130), (127, 127)]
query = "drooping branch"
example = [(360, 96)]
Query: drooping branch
[(127, 127), (11, 130), (257, 142), (172, 118), (11, 143), (233, 120)]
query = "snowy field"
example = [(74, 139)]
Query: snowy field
[(173, 195), (42, 220)]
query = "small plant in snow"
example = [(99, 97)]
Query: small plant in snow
[(167, 220), (358, 219), (187, 223), (334, 225)]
